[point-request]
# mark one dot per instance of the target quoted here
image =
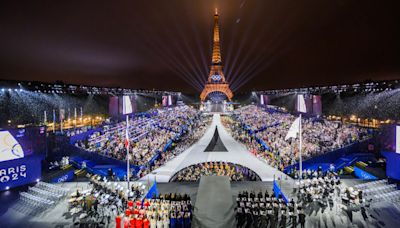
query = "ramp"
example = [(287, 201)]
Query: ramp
[(214, 206)]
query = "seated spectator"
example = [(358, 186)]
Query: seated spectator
[(253, 125), (233, 171)]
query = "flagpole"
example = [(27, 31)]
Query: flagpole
[(300, 109), (127, 153), (61, 120), (300, 146), (54, 121)]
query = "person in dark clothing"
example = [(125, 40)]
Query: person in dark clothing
[(260, 195), (360, 195), (263, 218), (291, 207), (273, 195), (256, 217), (95, 204), (269, 213), (302, 219), (349, 213), (240, 217), (282, 224), (330, 201), (276, 211), (364, 213), (272, 220), (249, 218), (252, 195), (293, 219), (110, 173)]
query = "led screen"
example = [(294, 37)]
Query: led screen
[(10, 149), (21, 152)]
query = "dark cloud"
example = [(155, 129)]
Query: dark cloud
[(167, 44)]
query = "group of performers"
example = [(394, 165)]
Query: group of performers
[(265, 210), (164, 211)]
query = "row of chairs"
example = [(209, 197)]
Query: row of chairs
[(39, 198), (29, 204), (381, 189), (371, 184), (393, 197), (52, 188), (44, 193)]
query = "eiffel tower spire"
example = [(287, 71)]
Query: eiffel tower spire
[(216, 54)]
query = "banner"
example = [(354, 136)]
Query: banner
[(113, 106), (169, 100), (152, 191), (62, 114), (64, 178), (278, 192), (164, 101), (301, 104), (363, 175), (317, 105)]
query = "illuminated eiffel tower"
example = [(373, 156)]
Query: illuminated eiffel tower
[(216, 82)]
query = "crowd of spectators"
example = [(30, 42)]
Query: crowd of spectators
[(148, 135), (257, 118), (319, 135), (233, 171), (240, 134), (194, 133)]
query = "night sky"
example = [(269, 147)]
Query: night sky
[(166, 44)]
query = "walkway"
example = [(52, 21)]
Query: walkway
[(237, 153)]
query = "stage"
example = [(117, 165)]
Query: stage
[(236, 153)]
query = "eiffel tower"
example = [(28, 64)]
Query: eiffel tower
[(216, 80)]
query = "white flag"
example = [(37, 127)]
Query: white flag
[(294, 129), (301, 104)]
